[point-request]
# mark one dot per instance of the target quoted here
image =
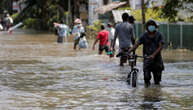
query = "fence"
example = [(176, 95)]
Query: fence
[(178, 35)]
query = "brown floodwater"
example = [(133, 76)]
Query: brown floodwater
[(36, 73)]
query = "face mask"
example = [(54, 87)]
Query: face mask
[(151, 28)]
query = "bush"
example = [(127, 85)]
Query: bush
[(149, 14), (95, 27), (14, 16), (32, 23), (92, 30)]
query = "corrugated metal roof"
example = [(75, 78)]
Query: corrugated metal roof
[(117, 14)]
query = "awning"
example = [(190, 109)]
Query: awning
[(109, 7)]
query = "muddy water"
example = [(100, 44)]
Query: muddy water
[(38, 74)]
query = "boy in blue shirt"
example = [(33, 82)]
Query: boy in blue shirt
[(152, 41)]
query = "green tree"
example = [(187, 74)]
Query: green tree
[(40, 14), (172, 7), (1, 6), (6, 5), (151, 13)]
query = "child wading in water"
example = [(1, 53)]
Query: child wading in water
[(152, 41), (104, 44)]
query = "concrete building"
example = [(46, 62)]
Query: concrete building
[(18, 5)]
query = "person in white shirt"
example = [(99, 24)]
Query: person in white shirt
[(76, 31), (1, 27), (61, 31), (8, 21), (111, 31)]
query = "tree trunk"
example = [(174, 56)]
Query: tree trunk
[(72, 9), (76, 8), (69, 11), (45, 14), (143, 15)]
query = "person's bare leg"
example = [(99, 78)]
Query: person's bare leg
[(74, 46), (121, 62), (100, 52)]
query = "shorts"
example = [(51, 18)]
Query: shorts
[(60, 39), (104, 47), (123, 59), (76, 41)]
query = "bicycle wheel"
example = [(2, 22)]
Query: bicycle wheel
[(134, 79)]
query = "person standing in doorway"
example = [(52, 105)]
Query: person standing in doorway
[(152, 41)]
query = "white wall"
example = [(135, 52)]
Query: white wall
[(93, 4)]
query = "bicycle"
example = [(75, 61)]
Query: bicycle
[(132, 75)]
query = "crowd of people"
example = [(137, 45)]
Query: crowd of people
[(151, 39), (78, 32), (5, 22)]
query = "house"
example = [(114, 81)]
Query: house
[(18, 5), (92, 5), (97, 8)]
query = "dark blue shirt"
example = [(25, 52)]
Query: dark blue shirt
[(150, 44)]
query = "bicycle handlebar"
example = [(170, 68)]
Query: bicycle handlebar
[(130, 55), (136, 56)]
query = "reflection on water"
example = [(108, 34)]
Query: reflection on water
[(36, 73), (152, 98)]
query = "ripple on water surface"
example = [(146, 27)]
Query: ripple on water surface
[(38, 74)]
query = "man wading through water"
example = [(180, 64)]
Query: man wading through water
[(61, 31), (125, 32), (152, 41), (102, 37)]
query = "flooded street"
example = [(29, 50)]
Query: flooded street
[(36, 73)]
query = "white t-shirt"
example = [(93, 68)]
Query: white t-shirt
[(77, 30), (111, 33), (62, 30), (1, 27)]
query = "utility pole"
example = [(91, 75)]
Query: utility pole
[(143, 15)]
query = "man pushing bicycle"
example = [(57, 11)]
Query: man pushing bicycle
[(152, 41)]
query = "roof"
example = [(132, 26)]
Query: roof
[(117, 14), (109, 7)]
